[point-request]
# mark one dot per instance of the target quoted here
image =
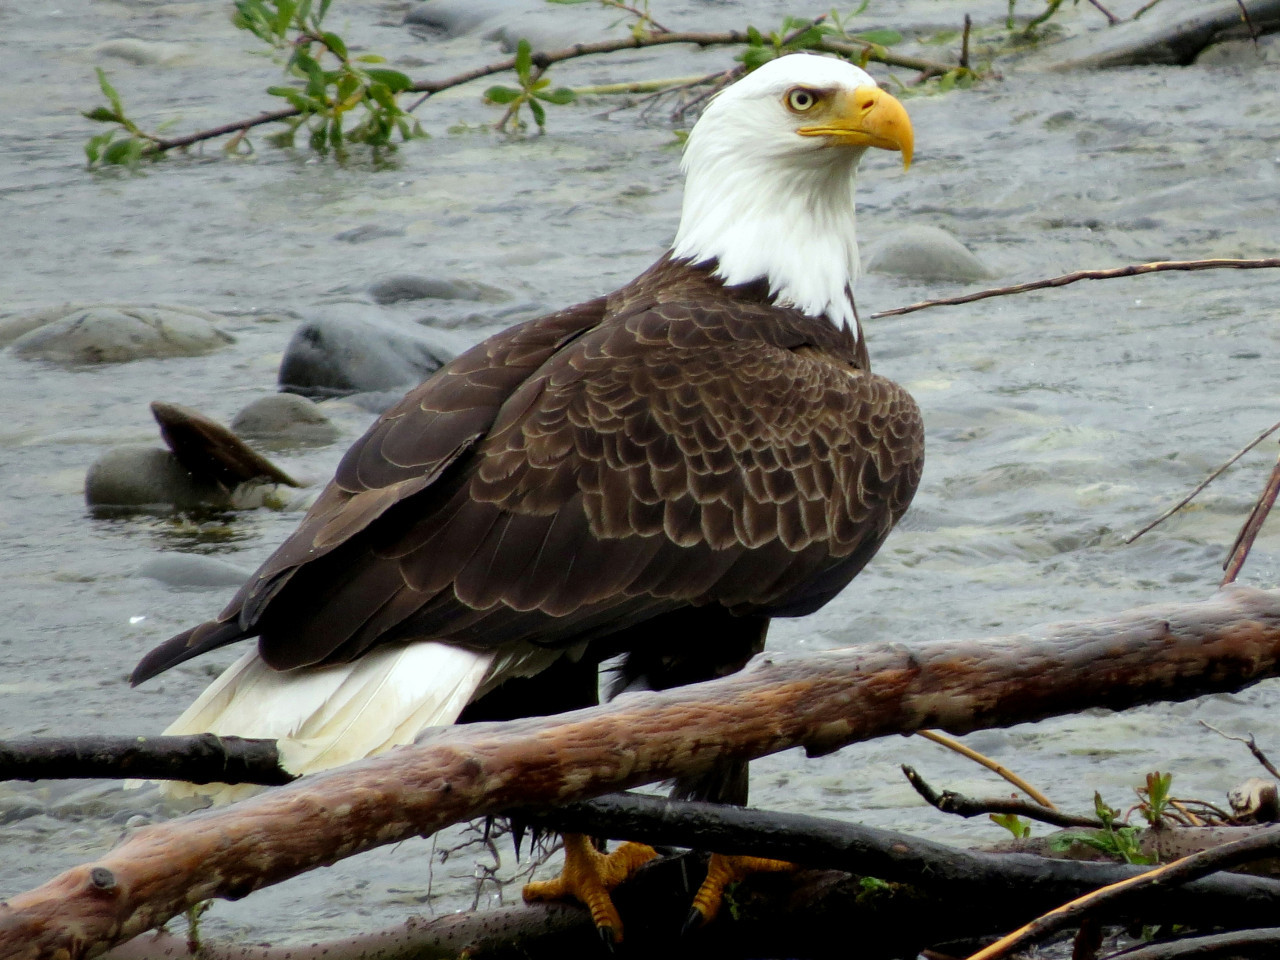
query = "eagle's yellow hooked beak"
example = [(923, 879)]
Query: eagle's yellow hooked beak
[(867, 117)]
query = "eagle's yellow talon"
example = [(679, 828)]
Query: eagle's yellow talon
[(721, 872), (588, 877)]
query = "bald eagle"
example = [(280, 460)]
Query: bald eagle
[(655, 473)]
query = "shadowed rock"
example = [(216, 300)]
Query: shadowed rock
[(327, 358)]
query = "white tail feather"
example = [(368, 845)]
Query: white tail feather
[(322, 717)]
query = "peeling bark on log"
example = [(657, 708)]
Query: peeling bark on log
[(819, 702)]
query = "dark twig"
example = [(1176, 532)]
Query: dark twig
[(1132, 270), (1143, 9), (1248, 21), (948, 801), (1112, 19), (1248, 742), (1206, 481), (1163, 878), (1249, 532), (964, 42), (642, 15)]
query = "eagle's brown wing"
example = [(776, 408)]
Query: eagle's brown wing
[(674, 454)]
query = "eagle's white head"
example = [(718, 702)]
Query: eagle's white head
[(770, 179)]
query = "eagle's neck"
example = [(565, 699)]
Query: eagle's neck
[(786, 220)]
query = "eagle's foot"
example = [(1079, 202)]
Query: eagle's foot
[(588, 876), (722, 871)]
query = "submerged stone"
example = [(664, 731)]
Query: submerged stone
[(285, 418), (191, 570), (115, 333), (926, 253), (139, 477), (397, 288)]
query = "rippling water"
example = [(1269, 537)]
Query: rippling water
[(1058, 422)]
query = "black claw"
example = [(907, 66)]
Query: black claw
[(607, 935), (693, 922), (517, 835)]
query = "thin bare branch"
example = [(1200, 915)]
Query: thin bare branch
[(1254, 33), (1249, 742), (955, 745), (948, 801), (1252, 526), (1205, 482), (1111, 273), (1112, 19)]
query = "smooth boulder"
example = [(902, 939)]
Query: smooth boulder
[(77, 334), (328, 358), (926, 253), (285, 418)]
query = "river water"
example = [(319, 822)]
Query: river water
[(1058, 422)]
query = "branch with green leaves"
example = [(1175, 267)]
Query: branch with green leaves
[(329, 87)]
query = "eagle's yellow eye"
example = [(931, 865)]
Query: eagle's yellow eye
[(801, 100)]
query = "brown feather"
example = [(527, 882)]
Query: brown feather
[(677, 443)]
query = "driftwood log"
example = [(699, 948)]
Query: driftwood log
[(817, 702)]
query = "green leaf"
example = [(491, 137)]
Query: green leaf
[(380, 95), (501, 94), (109, 91), (324, 9), (93, 146), (885, 38), (539, 114), (524, 61), (102, 115), (284, 16), (754, 37), (394, 79), (1017, 826), (370, 58), (123, 152), (334, 43), (753, 57), (559, 95)]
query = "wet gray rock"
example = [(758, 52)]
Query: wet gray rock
[(1241, 53), (455, 18), (285, 418), (115, 333), (507, 22), (327, 358), (193, 571), (143, 53), (400, 287), (926, 253), (139, 477)]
